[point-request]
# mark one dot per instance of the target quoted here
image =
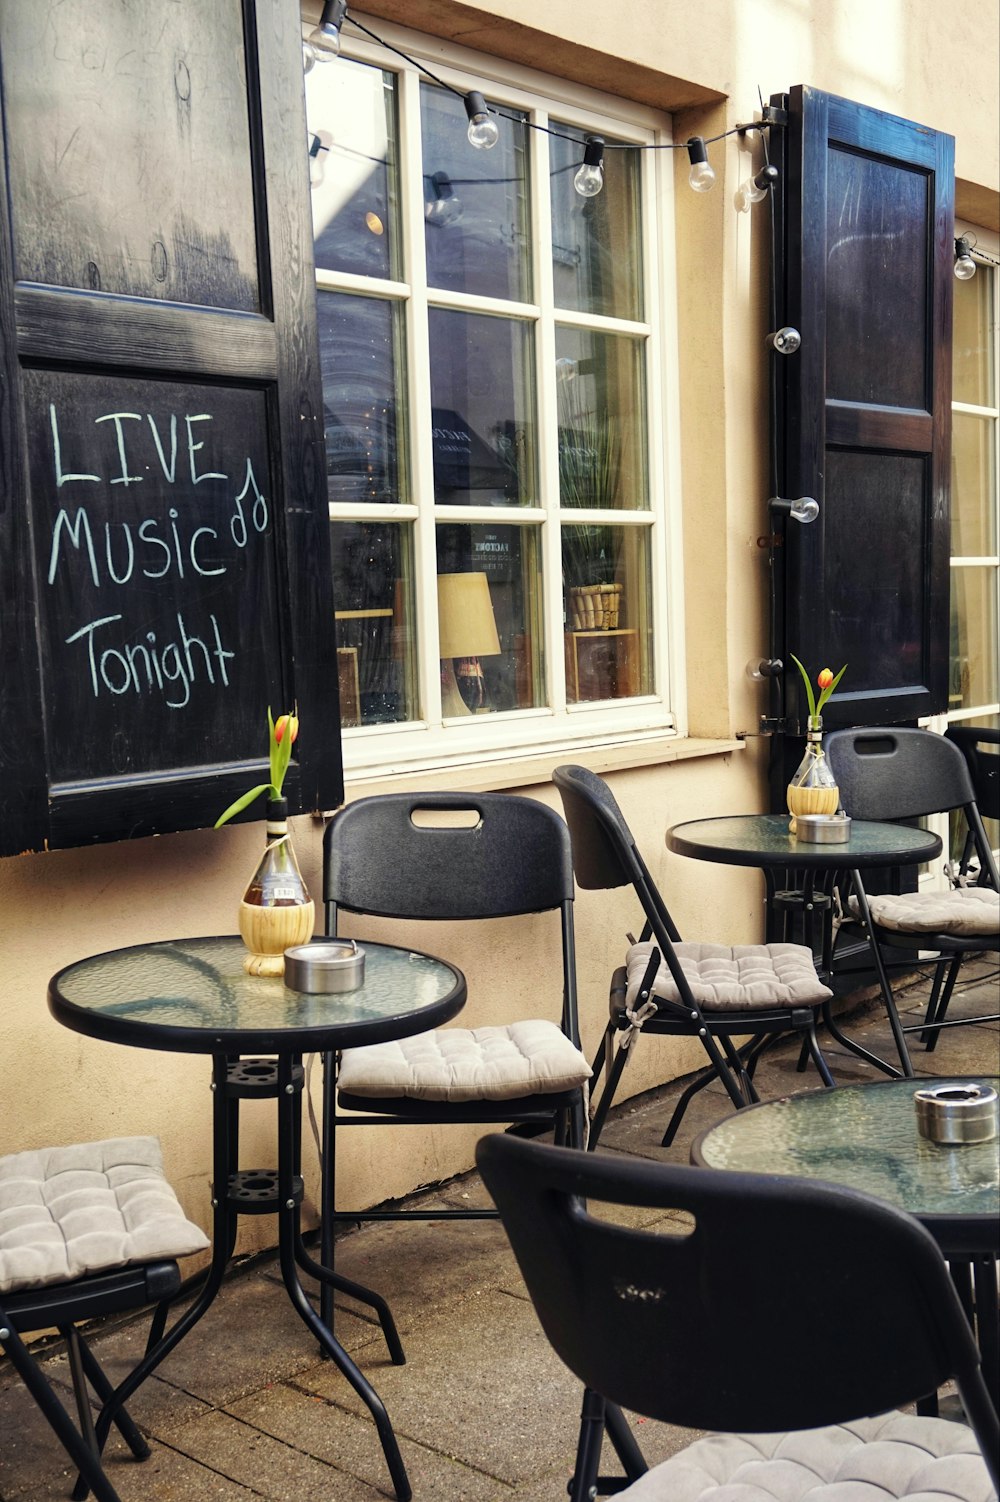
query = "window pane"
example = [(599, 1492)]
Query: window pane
[(973, 485), (602, 436), (608, 613), (489, 614), (376, 638), (596, 242), (482, 410), (973, 637), (360, 341), (351, 110), (475, 202), (974, 376)]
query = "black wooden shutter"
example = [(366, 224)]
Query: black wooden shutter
[(164, 552), (864, 255)]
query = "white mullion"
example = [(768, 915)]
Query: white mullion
[(659, 282), (601, 323), (419, 399), (506, 516), (353, 511), (371, 286), (469, 302), (550, 552)]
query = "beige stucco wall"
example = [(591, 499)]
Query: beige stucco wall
[(912, 57)]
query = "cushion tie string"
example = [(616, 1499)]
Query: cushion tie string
[(636, 1016)]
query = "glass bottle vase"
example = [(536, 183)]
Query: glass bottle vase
[(813, 789), (276, 911)]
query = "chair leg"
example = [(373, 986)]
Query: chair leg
[(583, 1485), (883, 979), (86, 1459), (683, 1102), (937, 1007), (607, 1096)]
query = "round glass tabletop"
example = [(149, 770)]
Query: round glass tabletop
[(193, 996), (764, 840), (865, 1137)]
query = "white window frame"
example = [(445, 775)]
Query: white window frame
[(988, 244), (390, 749)]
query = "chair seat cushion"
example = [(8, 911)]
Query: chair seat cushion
[(896, 1455), (749, 977), (455, 1063), (966, 912), (66, 1212)]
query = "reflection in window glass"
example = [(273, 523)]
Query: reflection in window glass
[(973, 375), (606, 574), (489, 616), (359, 341), (376, 639), (973, 482), (973, 637), (481, 398), (351, 112), (475, 202), (601, 404), (596, 242)]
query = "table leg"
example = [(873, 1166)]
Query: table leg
[(289, 1241)]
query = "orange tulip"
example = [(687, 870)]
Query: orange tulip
[(279, 727), (825, 678)]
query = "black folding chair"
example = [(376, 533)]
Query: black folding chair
[(780, 1305), (410, 856), (86, 1231), (888, 773), (712, 992), (980, 745)]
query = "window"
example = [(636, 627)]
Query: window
[(491, 351), (974, 686)]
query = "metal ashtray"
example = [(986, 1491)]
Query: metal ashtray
[(325, 966), (823, 829), (954, 1113)]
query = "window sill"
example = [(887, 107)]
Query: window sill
[(485, 775)]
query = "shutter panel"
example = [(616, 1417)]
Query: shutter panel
[(864, 254), (164, 547)]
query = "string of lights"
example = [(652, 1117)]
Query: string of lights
[(323, 45)]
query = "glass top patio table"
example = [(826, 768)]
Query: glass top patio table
[(764, 840), (193, 996), (865, 1136)]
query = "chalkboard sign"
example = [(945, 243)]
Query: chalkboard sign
[(154, 532), (164, 543)]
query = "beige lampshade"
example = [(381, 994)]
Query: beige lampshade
[(465, 616)]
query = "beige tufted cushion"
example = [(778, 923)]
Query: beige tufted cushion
[(456, 1063), (748, 977), (69, 1211), (896, 1455), (967, 912)]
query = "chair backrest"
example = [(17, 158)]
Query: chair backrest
[(788, 1304), (605, 854), (446, 856), (890, 773), (980, 745)]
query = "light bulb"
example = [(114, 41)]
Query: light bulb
[(589, 179), (701, 177), (483, 130), (755, 189), (965, 266), (319, 145), (445, 208), (785, 341), (325, 40), (308, 56)]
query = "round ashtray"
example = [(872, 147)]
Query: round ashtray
[(823, 829), (325, 966), (955, 1113)]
